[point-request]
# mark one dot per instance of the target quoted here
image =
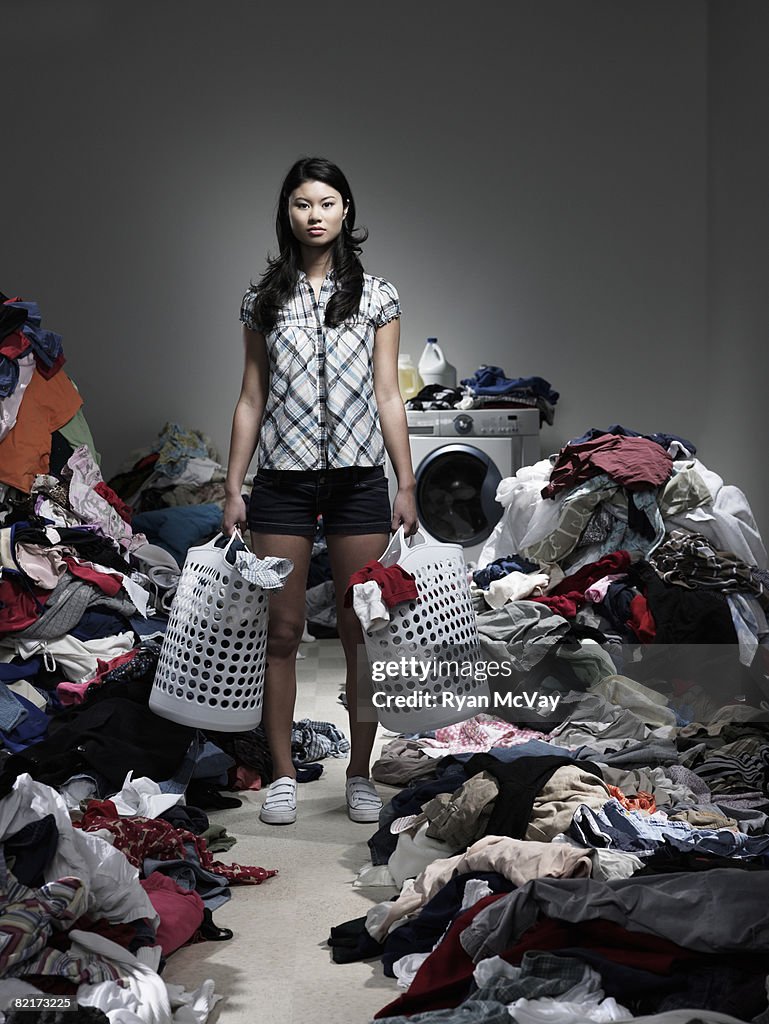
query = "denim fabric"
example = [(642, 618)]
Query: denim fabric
[(28, 730), (211, 762), (617, 828), (186, 770), (189, 874), (352, 500), (11, 711)]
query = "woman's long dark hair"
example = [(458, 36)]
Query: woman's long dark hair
[(277, 283)]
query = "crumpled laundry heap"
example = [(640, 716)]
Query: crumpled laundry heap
[(490, 388), (180, 468), (37, 398)]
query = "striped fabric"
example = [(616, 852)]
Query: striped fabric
[(690, 560), (321, 410), (730, 772), (29, 916), (312, 741)]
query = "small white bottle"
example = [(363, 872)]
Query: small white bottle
[(434, 367)]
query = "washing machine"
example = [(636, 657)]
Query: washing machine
[(459, 457)]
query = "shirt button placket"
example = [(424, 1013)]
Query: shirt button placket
[(321, 360)]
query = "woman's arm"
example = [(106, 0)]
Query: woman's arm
[(246, 424), (392, 418)]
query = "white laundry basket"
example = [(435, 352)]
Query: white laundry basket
[(210, 672), (438, 631)]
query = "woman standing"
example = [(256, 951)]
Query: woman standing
[(320, 399)]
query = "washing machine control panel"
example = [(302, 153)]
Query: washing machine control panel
[(473, 422)]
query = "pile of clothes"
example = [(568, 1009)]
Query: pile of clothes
[(490, 388), (40, 407), (107, 855), (603, 854), (634, 537)]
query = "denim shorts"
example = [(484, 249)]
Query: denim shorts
[(352, 500)]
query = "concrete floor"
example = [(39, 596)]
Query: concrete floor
[(278, 966)]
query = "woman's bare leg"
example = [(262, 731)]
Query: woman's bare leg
[(287, 617), (348, 554)]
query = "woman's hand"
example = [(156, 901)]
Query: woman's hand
[(235, 515), (405, 511)]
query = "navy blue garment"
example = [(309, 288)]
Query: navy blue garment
[(637, 519), (185, 816), (616, 606), (350, 942), (46, 345), (491, 380), (420, 934), (664, 440), (502, 567), (149, 627), (11, 317), (95, 624), (32, 849), (10, 671), (410, 801), (28, 731)]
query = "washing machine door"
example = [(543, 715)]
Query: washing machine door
[(456, 488)]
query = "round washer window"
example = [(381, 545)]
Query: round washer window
[(456, 488)]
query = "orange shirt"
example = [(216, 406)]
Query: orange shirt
[(25, 451)]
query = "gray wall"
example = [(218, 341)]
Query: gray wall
[(552, 186), (738, 254)]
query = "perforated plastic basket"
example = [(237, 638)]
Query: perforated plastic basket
[(438, 631), (210, 672)]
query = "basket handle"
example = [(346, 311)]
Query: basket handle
[(225, 543), (400, 543)]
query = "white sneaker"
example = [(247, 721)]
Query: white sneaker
[(363, 803), (279, 807)]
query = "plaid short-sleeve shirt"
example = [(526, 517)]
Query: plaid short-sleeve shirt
[(321, 410)]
